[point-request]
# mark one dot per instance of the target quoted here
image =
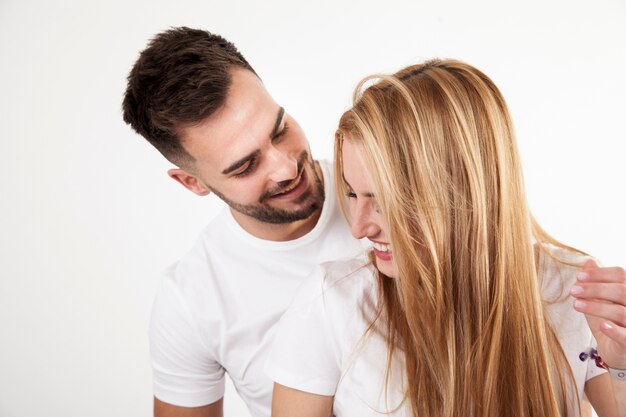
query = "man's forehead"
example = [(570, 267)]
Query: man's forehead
[(224, 139)]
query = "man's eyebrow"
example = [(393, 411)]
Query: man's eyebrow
[(235, 165), (279, 119)]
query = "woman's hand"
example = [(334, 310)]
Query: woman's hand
[(600, 293)]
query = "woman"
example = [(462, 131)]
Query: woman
[(462, 307)]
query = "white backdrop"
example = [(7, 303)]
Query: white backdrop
[(89, 219)]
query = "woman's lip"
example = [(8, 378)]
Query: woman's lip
[(385, 256), (382, 250), (297, 190)]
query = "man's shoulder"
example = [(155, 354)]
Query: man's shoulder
[(196, 264), (218, 224)]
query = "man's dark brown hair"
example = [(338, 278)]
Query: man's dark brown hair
[(180, 79)]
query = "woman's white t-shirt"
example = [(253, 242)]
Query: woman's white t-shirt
[(320, 345)]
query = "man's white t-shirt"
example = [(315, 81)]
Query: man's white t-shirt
[(217, 308), (320, 345)]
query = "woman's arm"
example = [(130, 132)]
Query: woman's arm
[(607, 396), (289, 402)]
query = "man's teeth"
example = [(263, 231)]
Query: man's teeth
[(284, 191), (290, 189), (381, 247)]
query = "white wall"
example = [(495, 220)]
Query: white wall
[(88, 218)]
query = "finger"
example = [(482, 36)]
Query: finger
[(613, 312), (615, 293), (591, 264), (604, 274), (617, 334)]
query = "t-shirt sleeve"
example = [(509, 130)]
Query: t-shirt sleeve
[(304, 354), (185, 373)]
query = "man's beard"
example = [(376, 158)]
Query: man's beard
[(311, 200)]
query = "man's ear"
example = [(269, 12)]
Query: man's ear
[(189, 181)]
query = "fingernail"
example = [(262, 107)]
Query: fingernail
[(607, 325), (580, 304), (576, 289), (582, 276)]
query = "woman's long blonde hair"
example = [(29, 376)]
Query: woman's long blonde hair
[(465, 308)]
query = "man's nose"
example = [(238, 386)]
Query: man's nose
[(283, 166)]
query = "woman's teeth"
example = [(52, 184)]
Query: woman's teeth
[(381, 247)]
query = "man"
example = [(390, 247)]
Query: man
[(198, 101), (194, 97)]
